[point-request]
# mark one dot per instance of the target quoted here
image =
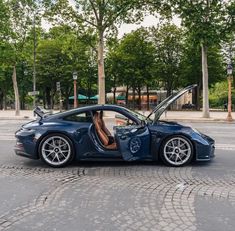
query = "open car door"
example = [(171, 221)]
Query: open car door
[(133, 141)]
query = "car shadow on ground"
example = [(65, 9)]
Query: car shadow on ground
[(111, 163)]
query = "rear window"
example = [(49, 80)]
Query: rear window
[(84, 117)]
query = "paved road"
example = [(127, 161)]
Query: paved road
[(118, 195)]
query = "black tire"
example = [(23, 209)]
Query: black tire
[(56, 150), (176, 151)]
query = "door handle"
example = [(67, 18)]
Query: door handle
[(123, 137)]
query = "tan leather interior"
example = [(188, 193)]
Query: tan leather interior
[(101, 133), (103, 126)]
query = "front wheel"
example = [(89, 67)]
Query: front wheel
[(177, 151), (56, 150)]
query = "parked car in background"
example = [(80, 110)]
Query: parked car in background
[(189, 106)]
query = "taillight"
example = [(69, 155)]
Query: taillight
[(19, 144)]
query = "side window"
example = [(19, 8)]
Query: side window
[(113, 118), (109, 120), (121, 120), (80, 117)]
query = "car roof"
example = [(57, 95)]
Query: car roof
[(84, 109)]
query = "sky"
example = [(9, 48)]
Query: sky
[(148, 21), (125, 28)]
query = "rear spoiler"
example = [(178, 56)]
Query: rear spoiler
[(39, 112)]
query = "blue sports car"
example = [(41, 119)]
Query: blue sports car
[(110, 131)]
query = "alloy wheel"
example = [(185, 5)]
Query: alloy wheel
[(56, 150), (177, 151)]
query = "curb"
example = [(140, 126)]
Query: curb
[(16, 118), (201, 120), (26, 118)]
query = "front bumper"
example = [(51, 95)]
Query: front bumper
[(205, 148)]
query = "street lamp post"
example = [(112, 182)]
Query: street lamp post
[(230, 76), (75, 76)]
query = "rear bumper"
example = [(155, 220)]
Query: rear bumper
[(21, 150)]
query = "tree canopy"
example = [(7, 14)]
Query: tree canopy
[(83, 37)]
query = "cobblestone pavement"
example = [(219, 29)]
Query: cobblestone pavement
[(117, 195), (142, 197)]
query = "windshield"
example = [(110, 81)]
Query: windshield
[(138, 115), (161, 107)]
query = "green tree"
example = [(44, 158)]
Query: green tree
[(5, 51), (219, 94), (20, 15), (113, 67), (169, 42), (4, 20), (191, 69), (132, 62), (101, 17), (208, 22), (59, 54), (228, 50)]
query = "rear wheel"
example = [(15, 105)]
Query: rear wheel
[(177, 151), (56, 150)]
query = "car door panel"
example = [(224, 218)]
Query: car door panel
[(82, 140), (133, 142)]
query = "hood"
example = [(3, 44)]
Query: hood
[(39, 112), (160, 108), (42, 114)]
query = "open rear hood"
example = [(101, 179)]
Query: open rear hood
[(160, 108)]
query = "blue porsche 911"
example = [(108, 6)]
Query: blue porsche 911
[(110, 131)]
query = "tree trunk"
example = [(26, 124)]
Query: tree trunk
[(1, 99), (101, 74), (127, 94), (194, 96), (66, 95), (4, 100), (198, 104), (48, 98), (114, 90), (139, 98), (147, 88), (88, 88), (44, 99), (133, 97), (16, 92), (22, 101), (205, 107), (52, 94), (89, 85), (114, 95), (168, 91)]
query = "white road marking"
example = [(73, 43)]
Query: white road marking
[(225, 146), (5, 137)]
